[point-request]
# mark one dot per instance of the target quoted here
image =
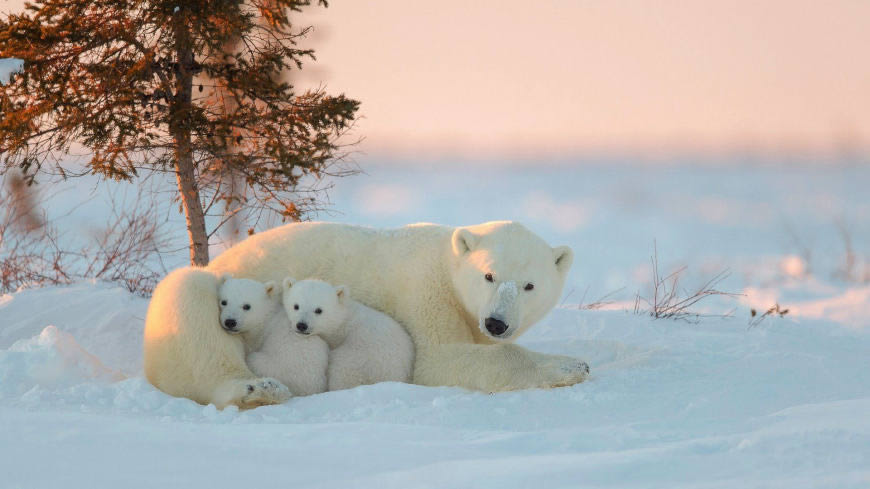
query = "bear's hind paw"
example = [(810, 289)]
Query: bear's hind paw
[(265, 391)]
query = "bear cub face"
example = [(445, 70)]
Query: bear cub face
[(316, 307), (245, 305)]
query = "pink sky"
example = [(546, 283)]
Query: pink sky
[(510, 78), (558, 77)]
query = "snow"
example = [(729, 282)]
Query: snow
[(784, 403)]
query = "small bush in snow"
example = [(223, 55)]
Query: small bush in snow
[(31, 253), (669, 301)]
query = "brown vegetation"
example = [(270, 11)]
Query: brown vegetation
[(123, 252), (669, 301)]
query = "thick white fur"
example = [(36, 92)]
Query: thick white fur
[(250, 304), (272, 349), (298, 361), (187, 353), (429, 278), (366, 346)]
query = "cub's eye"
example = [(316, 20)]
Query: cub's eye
[(223, 303), (246, 307), (488, 277), (318, 310), (295, 307), (529, 286)]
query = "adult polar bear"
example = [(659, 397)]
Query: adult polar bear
[(462, 293)]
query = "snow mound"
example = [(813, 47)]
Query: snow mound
[(105, 320), (51, 360)]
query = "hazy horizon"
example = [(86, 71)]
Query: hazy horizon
[(497, 79), (565, 78)]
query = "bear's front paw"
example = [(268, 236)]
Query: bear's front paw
[(265, 391), (565, 371)]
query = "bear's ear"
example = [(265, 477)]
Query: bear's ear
[(463, 241), (564, 258), (270, 289), (288, 282), (342, 291), (223, 278)]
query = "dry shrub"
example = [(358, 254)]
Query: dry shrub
[(669, 301), (31, 253)]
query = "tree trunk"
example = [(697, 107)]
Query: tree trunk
[(192, 207), (180, 128)]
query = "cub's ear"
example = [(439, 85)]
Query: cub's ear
[(270, 289), (343, 292), (463, 241), (564, 258), (223, 278), (288, 282)]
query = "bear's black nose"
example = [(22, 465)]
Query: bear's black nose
[(302, 327), (230, 323), (496, 327)]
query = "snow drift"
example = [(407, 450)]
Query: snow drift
[(669, 404)]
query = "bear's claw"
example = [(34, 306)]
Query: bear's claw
[(578, 365)]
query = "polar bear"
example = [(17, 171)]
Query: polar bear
[(443, 284), (366, 346), (202, 363), (245, 307), (298, 361), (253, 310)]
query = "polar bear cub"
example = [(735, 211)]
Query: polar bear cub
[(366, 346), (253, 310), (245, 308)]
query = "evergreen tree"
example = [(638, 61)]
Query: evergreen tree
[(197, 88)]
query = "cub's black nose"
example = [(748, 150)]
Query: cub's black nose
[(302, 327), (230, 323), (496, 327)]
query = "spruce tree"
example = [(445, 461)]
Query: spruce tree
[(197, 88)]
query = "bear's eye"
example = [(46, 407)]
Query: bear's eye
[(295, 307), (318, 310), (529, 286), (223, 303), (246, 307), (488, 277)]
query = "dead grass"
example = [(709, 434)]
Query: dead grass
[(755, 319), (670, 301), (32, 251), (602, 301), (852, 268)]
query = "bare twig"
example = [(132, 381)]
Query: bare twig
[(669, 301), (121, 253), (755, 319), (600, 302), (854, 269)]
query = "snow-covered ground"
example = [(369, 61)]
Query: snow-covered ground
[(785, 403)]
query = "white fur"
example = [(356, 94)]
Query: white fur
[(429, 278), (366, 346), (272, 348), (187, 354), (298, 361), (248, 304)]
